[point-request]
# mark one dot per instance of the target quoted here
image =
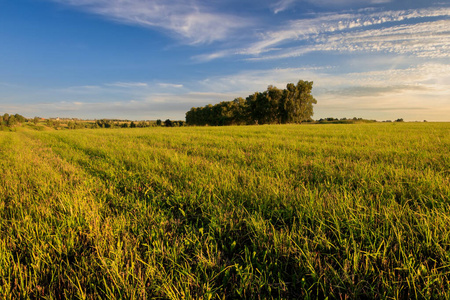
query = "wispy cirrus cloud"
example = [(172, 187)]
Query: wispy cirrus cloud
[(421, 32), (190, 20), (283, 5), (428, 40), (318, 31), (128, 84), (170, 85)]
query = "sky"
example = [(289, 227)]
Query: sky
[(155, 59)]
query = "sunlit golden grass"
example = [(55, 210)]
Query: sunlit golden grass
[(292, 211)]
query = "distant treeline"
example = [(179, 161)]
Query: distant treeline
[(11, 120), (274, 106), (105, 123), (351, 120), (111, 123), (344, 121)]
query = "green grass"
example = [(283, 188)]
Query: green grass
[(294, 211)]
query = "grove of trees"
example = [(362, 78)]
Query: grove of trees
[(11, 120), (294, 104)]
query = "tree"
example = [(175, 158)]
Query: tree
[(168, 123), (158, 122), (240, 111), (254, 113), (11, 121), (296, 105), (142, 124), (274, 97), (5, 117), (20, 118), (291, 105), (305, 100)]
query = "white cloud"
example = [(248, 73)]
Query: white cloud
[(188, 19), (321, 27), (347, 2), (424, 33), (428, 40), (128, 84), (212, 56), (283, 5), (170, 85)]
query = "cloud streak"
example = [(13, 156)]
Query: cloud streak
[(170, 85), (387, 31), (428, 40), (128, 84), (196, 22), (283, 5), (189, 20)]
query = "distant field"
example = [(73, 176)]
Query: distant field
[(292, 211)]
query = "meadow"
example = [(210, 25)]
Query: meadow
[(280, 211)]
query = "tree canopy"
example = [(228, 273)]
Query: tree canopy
[(11, 120), (273, 106)]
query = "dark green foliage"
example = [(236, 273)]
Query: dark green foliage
[(344, 121), (274, 106), (5, 117), (11, 120), (104, 123), (76, 125), (168, 123), (53, 123), (142, 124), (20, 118)]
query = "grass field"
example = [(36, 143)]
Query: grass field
[(292, 211)]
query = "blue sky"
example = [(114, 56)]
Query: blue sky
[(150, 59)]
